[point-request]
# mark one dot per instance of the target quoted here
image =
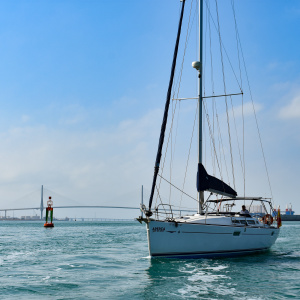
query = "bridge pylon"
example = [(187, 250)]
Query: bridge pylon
[(42, 202)]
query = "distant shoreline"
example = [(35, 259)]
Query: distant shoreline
[(69, 220), (290, 217)]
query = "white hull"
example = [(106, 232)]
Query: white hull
[(207, 240)]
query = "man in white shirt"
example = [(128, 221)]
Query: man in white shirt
[(244, 211)]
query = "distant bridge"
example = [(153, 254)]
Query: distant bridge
[(73, 206), (42, 207)]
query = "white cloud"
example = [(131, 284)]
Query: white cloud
[(292, 110), (247, 109), (72, 115), (94, 166), (25, 118)]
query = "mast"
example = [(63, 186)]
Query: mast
[(205, 182), (201, 194), (198, 65)]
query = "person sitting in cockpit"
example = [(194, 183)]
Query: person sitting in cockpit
[(244, 211)]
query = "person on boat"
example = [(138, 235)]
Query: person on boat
[(244, 211)]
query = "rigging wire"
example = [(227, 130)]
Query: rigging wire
[(216, 114), (214, 108), (221, 145), (238, 142), (224, 83), (178, 88), (213, 102), (229, 61), (241, 78), (256, 121), (212, 81), (204, 60), (211, 136), (177, 188), (254, 111), (212, 151), (187, 163), (166, 112), (160, 198), (164, 160), (211, 57)]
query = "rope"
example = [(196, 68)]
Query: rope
[(241, 78), (188, 33), (187, 163), (221, 144), (238, 142), (212, 85), (177, 86), (211, 136), (162, 169), (160, 199), (224, 83), (237, 43), (224, 49), (211, 59), (166, 111), (213, 103), (177, 188), (259, 135)]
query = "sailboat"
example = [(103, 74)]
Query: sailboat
[(215, 229)]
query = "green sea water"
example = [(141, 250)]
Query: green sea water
[(109, 260)]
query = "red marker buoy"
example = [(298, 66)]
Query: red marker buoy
[(49, 211)]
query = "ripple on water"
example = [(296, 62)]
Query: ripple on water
[(204, 279), (110, 261)]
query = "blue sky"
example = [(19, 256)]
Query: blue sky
[(83, 85)]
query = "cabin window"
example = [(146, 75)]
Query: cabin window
[(235, 221), (243, 222), (252, 222)]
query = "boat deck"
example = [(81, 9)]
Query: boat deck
[(222, 219)]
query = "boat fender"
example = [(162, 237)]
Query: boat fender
[(267, 219), (176, 224)]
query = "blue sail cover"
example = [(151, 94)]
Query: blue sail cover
[(206, 182)]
